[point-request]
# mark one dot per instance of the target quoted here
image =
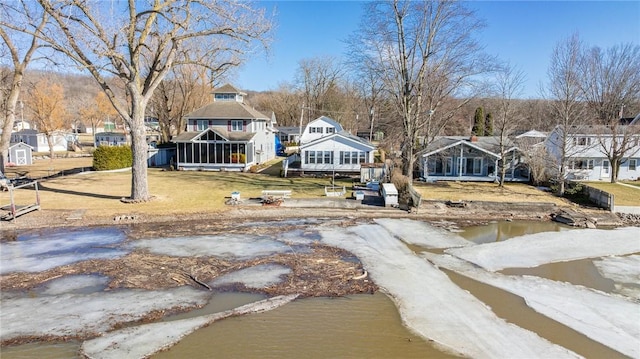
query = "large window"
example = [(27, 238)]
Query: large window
[(203, 125), (319, 157), (633, 164), (582, 164), (352, 157), (236, 125)]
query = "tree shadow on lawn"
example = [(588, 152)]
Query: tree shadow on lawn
[(42, 187)]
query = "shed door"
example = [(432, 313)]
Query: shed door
[(21, 157)]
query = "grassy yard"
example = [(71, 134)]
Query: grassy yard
[(623, 195), (484, 191), (175, 192)]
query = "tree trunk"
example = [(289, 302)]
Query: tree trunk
[(139, 183), (615, 168), (50, 144)]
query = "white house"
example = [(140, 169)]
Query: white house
[(326, 147), (586, 148), (226, 134), (38, 141)]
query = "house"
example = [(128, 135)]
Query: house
[(38, 141), (112, 139), (325, 147), (226, 134), (586, 148), (289, 134), (20, 154), (475, 158)]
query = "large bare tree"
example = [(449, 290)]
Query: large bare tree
[(610, 79), (564, 96), (17, 19), (426, 53), (138, 42)]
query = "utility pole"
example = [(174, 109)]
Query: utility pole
[(371, 129)]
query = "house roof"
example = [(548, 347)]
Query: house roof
[(227, 88), (227, 110), (229, 136), (20, 144), (486, 144), (342, 134), (328, 120), (599, 129), (533, 133), (290, 130)]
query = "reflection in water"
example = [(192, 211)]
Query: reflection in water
[(501, 231), (360, 326)]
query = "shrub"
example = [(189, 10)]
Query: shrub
[(112, 158)]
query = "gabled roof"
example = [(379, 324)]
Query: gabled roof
[(343, 134), (533, 133), (20, 144), (227, 88), (226, 135), (290, 130), (487, 144), (597, 130)]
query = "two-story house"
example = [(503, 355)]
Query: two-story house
[(586, 148), (326, 147), (226, 134)]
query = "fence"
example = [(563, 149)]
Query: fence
[(603, 199)]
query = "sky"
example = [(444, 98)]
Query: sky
[(522, 33)]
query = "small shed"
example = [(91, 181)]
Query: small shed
[(20, 154)]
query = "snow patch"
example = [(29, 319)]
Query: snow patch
[(36, 252), (256, 277), (77, 284), (535, 249), (622, 270), (422, 234), (238, 247)]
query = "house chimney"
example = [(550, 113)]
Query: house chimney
[(473, 138)]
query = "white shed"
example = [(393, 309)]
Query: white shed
[(20, 154)]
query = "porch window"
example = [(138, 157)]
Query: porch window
[(477, 166), (632, 164), (236, 125), (448, 169)]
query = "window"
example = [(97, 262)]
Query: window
[(225, 97), (633, 164), (203, 125), (328, 157), (582, 141), (581, 164), (352, 158), (236, 125), (331, 130), (315, 129)]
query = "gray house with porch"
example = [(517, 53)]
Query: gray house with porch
[(458, 158)]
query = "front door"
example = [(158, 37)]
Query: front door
[(606, 169)]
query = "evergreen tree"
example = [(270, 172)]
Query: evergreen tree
[(478, 123), (488, 124)]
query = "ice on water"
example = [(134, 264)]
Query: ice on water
[(257, 277)]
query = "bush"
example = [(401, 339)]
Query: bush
[(112, 158)]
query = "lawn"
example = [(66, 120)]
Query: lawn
[(484, 191), (623, 195), (175, 192)]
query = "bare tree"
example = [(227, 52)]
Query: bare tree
[(185, 89), (284, 102), (97, 112), (16, 18), (139, 42), (564, 94), (610, 79), (509, 85), (426, 53), (48, 110), (317, 79)]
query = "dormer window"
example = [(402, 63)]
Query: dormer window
[(225, 97), (331, 130), (315, 129)]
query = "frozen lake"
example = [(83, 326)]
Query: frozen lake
[(515, 296)]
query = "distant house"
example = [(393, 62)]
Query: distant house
[(112, 139), (475, 158), (326, 147), (586, 148), (226, 134), (38, 141), (289, 134)]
